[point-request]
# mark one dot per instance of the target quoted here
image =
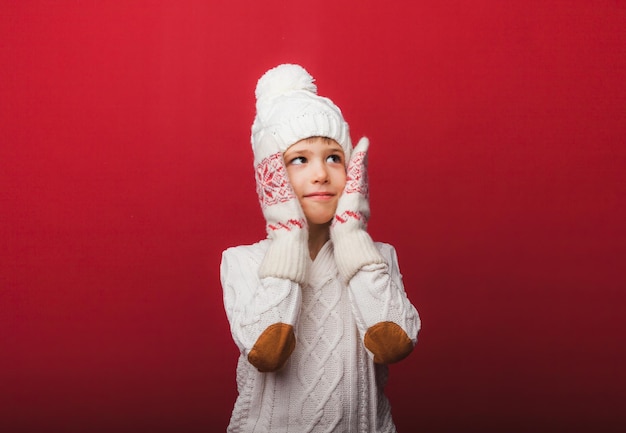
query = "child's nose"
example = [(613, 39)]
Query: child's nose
[(320, 173)]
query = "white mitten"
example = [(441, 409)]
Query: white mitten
[(286, 225), (352, 244)]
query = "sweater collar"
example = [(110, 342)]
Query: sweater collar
[(323, 267)]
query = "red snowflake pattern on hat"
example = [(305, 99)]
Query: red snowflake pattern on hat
[(356, 179), (272, 183)]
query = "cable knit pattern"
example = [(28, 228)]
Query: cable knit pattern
[(321, 328), (252, 304), (330, 383)]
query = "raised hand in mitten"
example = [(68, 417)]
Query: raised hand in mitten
[(286, 225), (353, 246)]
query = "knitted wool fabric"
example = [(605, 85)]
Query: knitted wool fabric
[(330, 383), (288, 109)]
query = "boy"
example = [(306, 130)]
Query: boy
[(317, 309)]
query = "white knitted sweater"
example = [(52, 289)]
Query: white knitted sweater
[(330, 383)]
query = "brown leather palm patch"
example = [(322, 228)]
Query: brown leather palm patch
[(273, 348), (388, 342)]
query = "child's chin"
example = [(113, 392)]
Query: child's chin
[(320, 220)]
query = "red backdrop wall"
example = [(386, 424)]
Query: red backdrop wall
[(497, 166)]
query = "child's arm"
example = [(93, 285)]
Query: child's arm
[(262, 312), (262, 301), (387, 321)]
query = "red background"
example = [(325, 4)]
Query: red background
[(498, 133)]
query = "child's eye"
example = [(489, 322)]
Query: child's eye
[(298, 160), (334, 158)]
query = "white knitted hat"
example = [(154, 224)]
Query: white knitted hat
[(288, 109)]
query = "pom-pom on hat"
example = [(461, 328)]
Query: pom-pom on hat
[(288, 109)]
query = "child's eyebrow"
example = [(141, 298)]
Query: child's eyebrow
[(297, 151)]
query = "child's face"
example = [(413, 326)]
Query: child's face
[(317, 172)]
